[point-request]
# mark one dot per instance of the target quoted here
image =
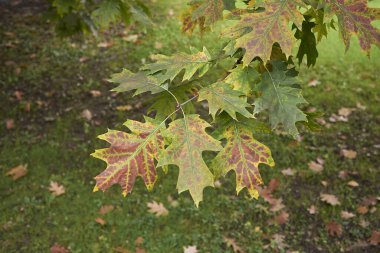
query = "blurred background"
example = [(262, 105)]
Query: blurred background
[(55, 100)]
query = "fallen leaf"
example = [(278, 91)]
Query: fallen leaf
[(157, 208), (18, 95), (375, 238), (360, 106), (139, 240), (172, 202), (343, 174), (106, 209), (362, 209), (56, 189), (324, 183), (358, 246), (363, 223), (282, 218), (278, 240), (100, 221), (190, 249), (56, 248), (312, 209), (350, 154), (334, 228), (105, 44), (9, 123), (140, 250), (18, 171), (124, 108), (95, 93), (313, 83), (369, 201), (133, 38), (277, 205), (158, 45), (232, 243), (330, 199), (353, 183), (315, 166), (346, 215), (345, 111), (87, 114), (288, 172), (121, 250)]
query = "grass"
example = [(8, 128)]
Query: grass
[(55, 141)]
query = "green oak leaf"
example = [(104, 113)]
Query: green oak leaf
[(170, 66), (243, 78), (221, 97), (130, 155), (243, 154), (308, 44), (139, 81), (188, 140), (280, 99)]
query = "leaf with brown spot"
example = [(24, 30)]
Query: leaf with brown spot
[(18, 172), (243, 154), (210, 10), (257, 32), (188, 141), (157, 209), (330, 199), (354, 17), (334, 228), (130, 155)]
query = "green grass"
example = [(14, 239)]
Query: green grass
[(56, 142)]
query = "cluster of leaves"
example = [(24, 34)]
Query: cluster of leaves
[(76, 16), (258, 78)]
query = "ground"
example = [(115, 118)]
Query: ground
[(47, 91)]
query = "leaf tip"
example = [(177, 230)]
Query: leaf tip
[(96, 188)]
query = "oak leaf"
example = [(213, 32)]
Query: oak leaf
[(354, 17), (221, 97), (157, 209), (346, 215), (257, 32), (230, 242), (315, 166), (18, 171), (170, 66), (243, 78), (210, 10), (188, 141), (375, 238), (56, 189), (130, 155), (330, 199), (280, 99), (334, 228), (243, 154)]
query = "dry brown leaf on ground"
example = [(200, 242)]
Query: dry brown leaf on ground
[(121, 250), (315, 166), (282, 218), (95, 93), (362, 209), (56, 189), (277, 205), (288, 172), (334, 228), (348, 153), (345, 111), (87, 114), (312, 209), (330, 199), (124, 108), (9, 123), (139, 240), (56, 248), (353, 183), (232, 243), (279, 241), (100, 221), (157, 208), (375, 238), (190, 249), (369, 201), (106, 209), (18, 172), (346, 215)]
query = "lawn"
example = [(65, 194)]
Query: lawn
[(55, 100)]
